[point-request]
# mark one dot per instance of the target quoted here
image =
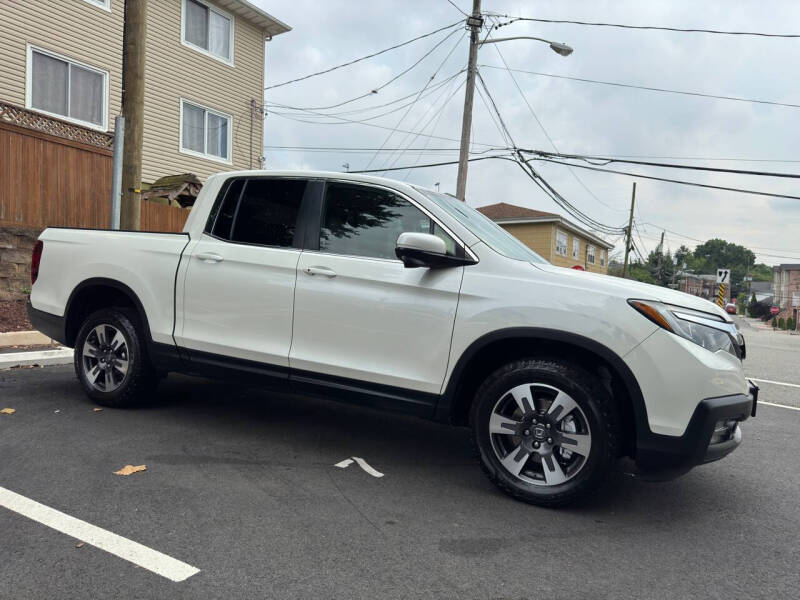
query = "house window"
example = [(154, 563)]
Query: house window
[(590, 255), (602, 258), (205, 132), (104, 4), (561, 243), (208, 29), (576, 247), (64, 88)]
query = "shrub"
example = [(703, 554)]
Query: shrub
[(790, 324), (759, 310), (781, 323), (774, 322)]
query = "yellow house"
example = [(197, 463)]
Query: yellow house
[(551, 236)]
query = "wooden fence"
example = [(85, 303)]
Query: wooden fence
[(46, 180)]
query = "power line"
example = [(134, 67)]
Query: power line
[(547, 135), (648, 88), (649, 27), (425, 166), (704, 158), (352, 111), (353, 122), (691, 183), (447, 95), (424, 94), (354, 61), (410, 106), (457, 8), (605, 160), (393, 79)]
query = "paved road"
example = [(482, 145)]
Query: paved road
[(775, 356), (243, 487)]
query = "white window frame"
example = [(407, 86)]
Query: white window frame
[(566, 242), (602, 257), (29, 88), (576, 247), (591, 253), (219, 113), (228, 61), (104, 4)]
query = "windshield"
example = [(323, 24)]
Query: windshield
[(489, 232)]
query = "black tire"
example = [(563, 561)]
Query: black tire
[(139, 380), (595, 407)]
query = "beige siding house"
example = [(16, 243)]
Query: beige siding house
[(552, 236), (204, 76)]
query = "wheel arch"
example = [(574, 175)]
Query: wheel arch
[(494, 349), (97, 293)]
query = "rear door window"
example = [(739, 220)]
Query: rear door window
[(259, 211)]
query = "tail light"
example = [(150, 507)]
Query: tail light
[(36, 258)]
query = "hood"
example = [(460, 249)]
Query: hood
[(627, 288)]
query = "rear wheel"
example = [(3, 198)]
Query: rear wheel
[(111, 359), (546, 432)]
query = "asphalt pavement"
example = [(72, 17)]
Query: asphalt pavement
[(242, 486)]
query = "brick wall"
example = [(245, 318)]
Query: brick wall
[(16, 245)]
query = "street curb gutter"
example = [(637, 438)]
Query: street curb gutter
[(62, 356), (23, 338)]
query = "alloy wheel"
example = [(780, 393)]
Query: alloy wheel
[(540, 434), (105, 358)]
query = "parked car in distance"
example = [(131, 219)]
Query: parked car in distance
[(730, 308), (378, 292)]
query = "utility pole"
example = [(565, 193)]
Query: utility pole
[(660, 270), (133, 60), (474, 22), (629, 233)]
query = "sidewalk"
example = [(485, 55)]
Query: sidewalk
[(31, 348)]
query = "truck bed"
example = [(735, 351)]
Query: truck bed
[(147, 263)]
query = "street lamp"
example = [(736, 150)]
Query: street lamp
[(474, 23), (556, 47)]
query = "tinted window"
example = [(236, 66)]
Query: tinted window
[(268, 210), (221, 217), (365, 221)]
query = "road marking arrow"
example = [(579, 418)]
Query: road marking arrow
[(361, 463)]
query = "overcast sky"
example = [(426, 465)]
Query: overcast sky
[(579, 117)]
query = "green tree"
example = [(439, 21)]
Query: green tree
[(719, 254)]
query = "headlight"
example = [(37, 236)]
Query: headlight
[(704, 329)]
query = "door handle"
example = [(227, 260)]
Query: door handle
[(210, 257), (320, 271)]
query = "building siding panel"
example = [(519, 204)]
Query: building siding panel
[(174, 71), (71, 28)]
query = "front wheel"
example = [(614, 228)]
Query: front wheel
[(111, 359), (546, 432)]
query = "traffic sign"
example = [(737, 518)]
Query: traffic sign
[(774, 310), (723, 275)]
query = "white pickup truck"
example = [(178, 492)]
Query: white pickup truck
[(374, 291)]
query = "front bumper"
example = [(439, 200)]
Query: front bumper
[(713, 432)]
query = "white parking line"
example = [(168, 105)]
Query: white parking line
[(776, 382), (140, 555), (760, 402)]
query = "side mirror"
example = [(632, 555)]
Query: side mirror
[(426, 250)]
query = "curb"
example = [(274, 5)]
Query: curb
[(23, 338), (62, 356)]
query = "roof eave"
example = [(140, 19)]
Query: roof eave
[(269, 25)]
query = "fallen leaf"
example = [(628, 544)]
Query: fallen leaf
[(79, 545), (8, 411), (130, 469), (96, 409)]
